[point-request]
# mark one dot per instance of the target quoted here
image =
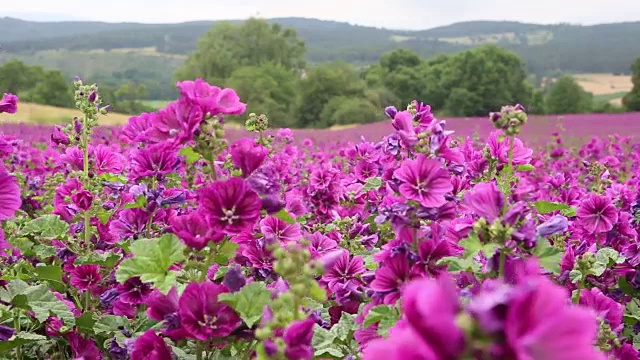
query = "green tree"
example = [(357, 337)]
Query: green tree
[(344, 110), (323, 83), (631, 101), (52, 89), (395, 59), (537, 105), (269, 89), (228, 46), (567, 97), (462, 102), (14, 77)]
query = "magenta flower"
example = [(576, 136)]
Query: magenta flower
[(391, 276), (194, 230), (129, 224), (424, 180), (83, 348), (403, 123), (134, 291), (9, 104), (150, 346), (155, 160), (6, 333), (74, 157), (159, 305), (230, 205), (82, 199), (541, 324), (212, 99), (597, 214), (86, 277), (134, 130), (108, 161), (485, 200), (344, 269), (247, 155), (202, 315), (10, 200), (500, 149), (605, 307), (275, 229), (175, 124), (404, 343), (297, 337)]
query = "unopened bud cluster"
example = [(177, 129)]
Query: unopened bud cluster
[(510, 119)]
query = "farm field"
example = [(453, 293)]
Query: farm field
[(159, 236)]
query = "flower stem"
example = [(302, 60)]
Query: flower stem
[(16, 325), (85, 168), (87, 299), (199, 350), (503, 258)]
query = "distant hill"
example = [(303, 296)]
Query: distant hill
[(607, 48)]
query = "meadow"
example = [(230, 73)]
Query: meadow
[(173, 236)]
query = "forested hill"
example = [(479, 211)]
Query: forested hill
[(599, 48)]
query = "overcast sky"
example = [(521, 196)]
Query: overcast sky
[(398, 14)]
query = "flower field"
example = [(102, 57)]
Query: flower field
[(173, 238)]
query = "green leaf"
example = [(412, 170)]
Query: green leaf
[(317, 293), (109, 324), (141, 201), (151, 261), (103, 215), (456, 264), (605, 258), (190, 155), (369, 262), (345, 327), (545, 207), (52, 275), (490, 249), (525, 167), (85, 323), (12, 289), (323, 343), (372, 183), (44, 251), (106, 259), (114, 178), (570, 212), (385, 315), (40, 300), (47, 226), (575, 276), (471, 245), (225, 251), (548, 255), (19, 339), (285, 216), (249, 302)]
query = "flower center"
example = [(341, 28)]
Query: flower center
[(229, 215)]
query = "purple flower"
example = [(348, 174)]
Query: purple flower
[(424, 180), (541, 324), (9, 104), (194, 230), (212, 99), (485, 200), (275, 229), (202, 315), (150, 346), (10, 200), (247, 155), (175, 124), (597, 214), (297, 338), (86, 277), (130, 223), (6, 332), (134, 291), (234, 279), (135, 129), (390, 111), (108, 161), (391, 276), (344, 269), (159, 305), (59, 137), (155, 160), (604, 306), (82, 199), (83, 348), (230, 205), (555, 225), (403, 123)]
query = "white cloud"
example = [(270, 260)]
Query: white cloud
[(399, 14)]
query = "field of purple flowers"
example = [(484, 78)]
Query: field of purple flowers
[(171, 239)]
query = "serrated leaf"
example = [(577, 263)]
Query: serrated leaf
[(41, 301), (113, 178), (345, 327), (545, 207), (21, 338), (151, 261), (372, 183), (606, 257), (106, 259), (12, 289), (285, 216), (471, 245), (570, 212), (385, 315), (109, 324), (575, 276), (456, 264), (141, 202), (85, 323), (490, 249), (249, 302), (224, 252), (44, 251), (190, 155), (103, 215), (47, 226), (52, 275), (323, 343), (548, 256), (525, 167)]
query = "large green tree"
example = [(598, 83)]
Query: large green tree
[(270, 89), (323, 83), (52, 89), (567, 97), (632, 100), (228, 46)]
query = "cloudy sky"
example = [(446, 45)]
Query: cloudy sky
[(398, 14)]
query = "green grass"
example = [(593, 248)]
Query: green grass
[(605, 98), (156, 104)]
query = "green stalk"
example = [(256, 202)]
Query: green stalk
[(85, 140), (16, 325), (507, 190)]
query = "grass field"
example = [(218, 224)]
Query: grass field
[(44, 114), (605, 87)]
